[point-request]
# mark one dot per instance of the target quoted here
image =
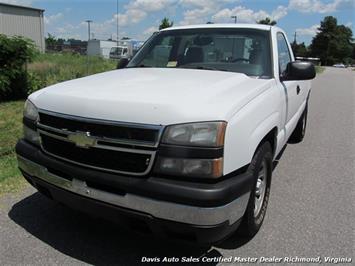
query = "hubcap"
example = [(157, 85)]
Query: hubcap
[(260, 188)]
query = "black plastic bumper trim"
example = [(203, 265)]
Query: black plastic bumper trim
[(184, 192)]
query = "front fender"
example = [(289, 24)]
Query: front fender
[(249, 126)]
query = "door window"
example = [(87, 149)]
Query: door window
[(283, 52)]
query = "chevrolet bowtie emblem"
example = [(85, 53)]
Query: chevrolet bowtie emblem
[(82, 139)]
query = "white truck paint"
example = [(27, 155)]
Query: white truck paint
[(250, 109), (164, 97)]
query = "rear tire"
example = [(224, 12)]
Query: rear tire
[(261, 167), (300, 130)]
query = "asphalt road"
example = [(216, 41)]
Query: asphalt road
[(310, 214)]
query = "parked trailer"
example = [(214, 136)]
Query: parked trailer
[(100, 48)]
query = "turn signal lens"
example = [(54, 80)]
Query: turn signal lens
[(199, 168)]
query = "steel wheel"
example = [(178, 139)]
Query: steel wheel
[(260, 188)]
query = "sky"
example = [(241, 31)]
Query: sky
[(138, 19)]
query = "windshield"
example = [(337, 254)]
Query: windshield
[(237, 50), (116, 50)]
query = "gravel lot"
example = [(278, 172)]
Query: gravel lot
[(310, 214)]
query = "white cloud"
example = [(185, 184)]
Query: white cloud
[(200, 11), (137, 10), (311, 31), (150, 5), (196, 16), (279, 12), (131, 16), (18, 2), (53, 18), (318, 6), (205, 3), (149, 31), (248, 15)]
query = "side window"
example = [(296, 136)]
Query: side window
[(283, 52)]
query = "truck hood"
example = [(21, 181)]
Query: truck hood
[(153, 95)]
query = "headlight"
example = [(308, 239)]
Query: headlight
[(206, 134), (199, 168), (30, 111)]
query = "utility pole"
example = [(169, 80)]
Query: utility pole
[(235, 19), (88, 22), (87, 54), (117, 23), (295, 38)]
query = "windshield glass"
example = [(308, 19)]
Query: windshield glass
[(116, 50), (237, 50)]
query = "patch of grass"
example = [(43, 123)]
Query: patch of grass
[(320, 69), (10, 131), (11, 179), (50, 69), (10, 126)]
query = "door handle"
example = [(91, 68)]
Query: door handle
[(298, 89)]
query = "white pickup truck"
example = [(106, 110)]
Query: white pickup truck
[(181, 140)]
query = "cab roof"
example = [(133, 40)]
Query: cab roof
[(228, 26)]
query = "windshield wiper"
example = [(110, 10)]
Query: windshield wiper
[(205, 68), (138, 66)]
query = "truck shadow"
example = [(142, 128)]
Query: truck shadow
[(96, 241)]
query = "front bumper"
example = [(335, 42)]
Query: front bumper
[(168, 205)]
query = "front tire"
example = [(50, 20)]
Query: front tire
[(261, 167)]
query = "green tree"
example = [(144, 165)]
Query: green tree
[(15, 53), (267, 21), (51, 40), (333, 42), (299, 49), (165, 23)]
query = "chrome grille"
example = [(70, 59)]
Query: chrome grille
[(111, 146)]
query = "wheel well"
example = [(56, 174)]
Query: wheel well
[(270, 137)]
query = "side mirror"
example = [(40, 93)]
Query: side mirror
[(299, 71), (122, 63)]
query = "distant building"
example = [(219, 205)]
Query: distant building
[(23, 21)]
